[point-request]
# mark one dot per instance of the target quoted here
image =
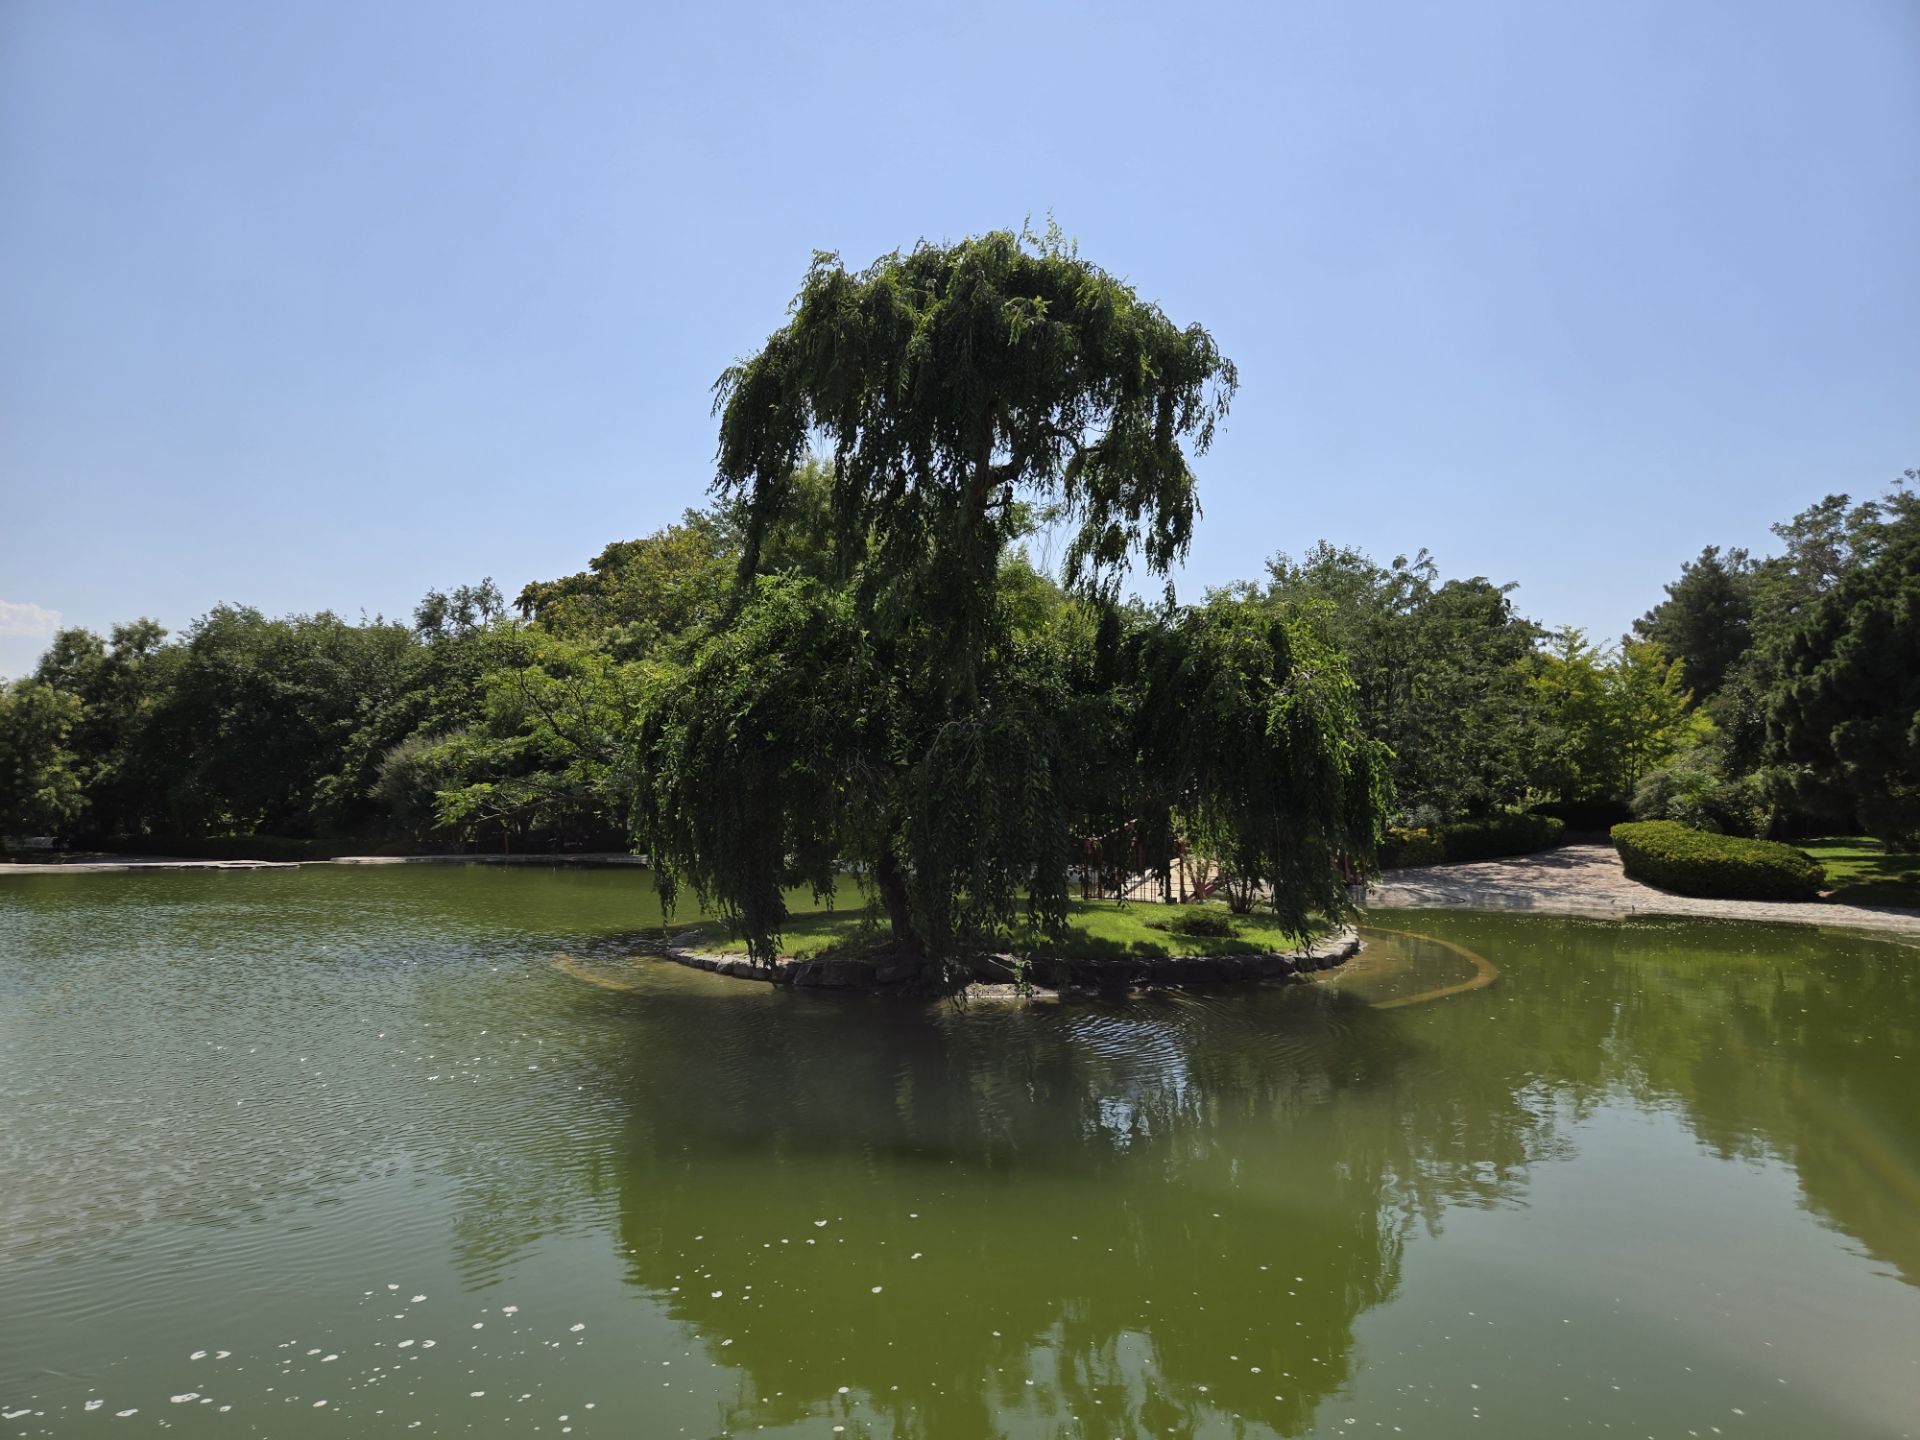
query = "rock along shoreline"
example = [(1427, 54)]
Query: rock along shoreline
[(996, 974)]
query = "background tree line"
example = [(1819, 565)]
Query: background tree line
[(1762, 694), (848, 659)]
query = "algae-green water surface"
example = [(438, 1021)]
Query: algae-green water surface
[(440, 1150)]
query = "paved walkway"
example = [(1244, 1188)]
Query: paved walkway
[(1588, 880)]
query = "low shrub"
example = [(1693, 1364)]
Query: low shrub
[(1410, 845), (1511, 834), (1695, 791), (1196, 921), (1722, 867)]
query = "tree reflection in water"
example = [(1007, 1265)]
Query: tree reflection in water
[(1166, 1214)]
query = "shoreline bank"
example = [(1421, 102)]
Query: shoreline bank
[(996, 976), (111, 864)]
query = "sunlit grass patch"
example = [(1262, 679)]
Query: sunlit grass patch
[(1096, 929), (1863, 871)]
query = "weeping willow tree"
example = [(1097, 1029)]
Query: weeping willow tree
[(897, 714), (1250, 719)]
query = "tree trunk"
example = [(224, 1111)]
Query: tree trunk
[(892, 884)]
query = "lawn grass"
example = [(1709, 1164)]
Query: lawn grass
[(1096, 929), (1863, 871)]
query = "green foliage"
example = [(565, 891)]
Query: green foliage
[(1608, 717), (547, 751), (1706, 621), (954, 382), (1407, 846), (761, 758), (1485, 839), (118, 683), (255, 717), (637, 593), (1846, 719), (1246, 722), (1697, 791), (1094, 930), (40, 784), (932, 709), (1694, 862), (1866, 871), (1438, 669), (1497, 835), (1194, 920)]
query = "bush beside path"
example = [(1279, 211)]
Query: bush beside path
[(1588, 880)]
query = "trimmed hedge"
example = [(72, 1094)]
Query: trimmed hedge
[(1469, 840), (1717, 867)]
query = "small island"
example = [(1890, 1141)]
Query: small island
[(1105, 947)]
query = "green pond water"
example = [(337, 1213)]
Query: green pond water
[(345, 1152)]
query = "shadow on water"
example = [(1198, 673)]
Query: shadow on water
[(1157, 1210), (1172, 1210)]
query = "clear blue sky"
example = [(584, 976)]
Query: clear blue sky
[(315, 305)]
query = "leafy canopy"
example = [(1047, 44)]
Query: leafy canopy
[(1846, 720), (950, 382), (929, 707)]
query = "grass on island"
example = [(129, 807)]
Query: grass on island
[(1863, 871), (1096, 930)]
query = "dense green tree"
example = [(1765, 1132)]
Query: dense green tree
[(952, 383), (1699, 789), (118, 682), (258, 715), (1439, 669), (544, 754), (1609, 717), (1846, 720), (1732, 620), (1706, 621), (636, 593), (1647, 722), (1246, 725), (41, 791), (919, 711)]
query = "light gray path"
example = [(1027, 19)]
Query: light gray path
[(1588, 880)]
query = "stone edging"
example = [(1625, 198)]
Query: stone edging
[(1043, 973)]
